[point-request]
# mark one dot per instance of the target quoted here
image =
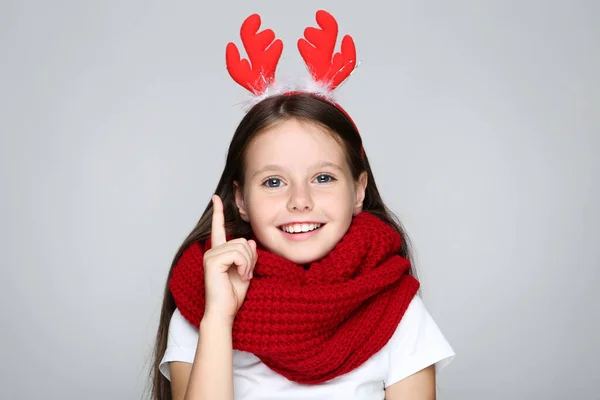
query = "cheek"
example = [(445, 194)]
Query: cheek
[(341, 198), (261, 204)]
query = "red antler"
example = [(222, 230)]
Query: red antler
[(261, 73), (317, 51)]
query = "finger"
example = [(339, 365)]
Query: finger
[(252, 244), (217, 234), (241, 263), (231, 259), (244, 246), (242, 267), (240, 244), (223, 255)]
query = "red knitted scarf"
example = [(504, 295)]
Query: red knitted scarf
[(312, 325)]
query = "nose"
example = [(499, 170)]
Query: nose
[(300, 198)]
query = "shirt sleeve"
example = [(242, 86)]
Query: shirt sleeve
[(417, 344), (182, 342)]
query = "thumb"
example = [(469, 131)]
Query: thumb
[(252, 244)]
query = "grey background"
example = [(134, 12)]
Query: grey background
[(481, 118)]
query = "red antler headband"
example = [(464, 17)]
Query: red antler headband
[(327, 70), (258, 76)]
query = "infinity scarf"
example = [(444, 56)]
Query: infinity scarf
[(312, 325)]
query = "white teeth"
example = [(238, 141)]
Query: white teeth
[(300, 228)]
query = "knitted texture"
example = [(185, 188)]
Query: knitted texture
[(312, 325)]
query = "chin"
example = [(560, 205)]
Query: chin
[(300, 256), (302, 260)]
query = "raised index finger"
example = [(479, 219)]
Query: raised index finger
[(217, 235)]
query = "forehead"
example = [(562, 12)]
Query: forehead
[(292, 143)]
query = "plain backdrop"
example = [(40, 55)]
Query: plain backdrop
[(481, 119)]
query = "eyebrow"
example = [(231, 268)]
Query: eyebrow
[(275, 167)]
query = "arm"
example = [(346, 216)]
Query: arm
[(419, 386), (228, 267), (211, 374)]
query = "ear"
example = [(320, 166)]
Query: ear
[(238, 194), (360, 188)]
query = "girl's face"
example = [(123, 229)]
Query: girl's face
[(299, 195)]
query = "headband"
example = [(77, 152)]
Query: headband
[(257, 73), (327, 70)]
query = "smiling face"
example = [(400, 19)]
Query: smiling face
[(299, 195)]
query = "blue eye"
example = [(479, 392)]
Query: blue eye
[(272, 182), (325, 178)]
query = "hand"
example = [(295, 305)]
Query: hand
[(228, 269)]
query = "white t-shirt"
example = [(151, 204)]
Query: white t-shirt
[(416, 344)]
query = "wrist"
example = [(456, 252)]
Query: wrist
[(216, 319)]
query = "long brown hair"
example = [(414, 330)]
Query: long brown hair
[(271, 111)]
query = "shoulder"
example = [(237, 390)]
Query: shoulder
[(181, 332), (417, 344), (182, 342)]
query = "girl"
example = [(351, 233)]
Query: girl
[(296, 283)]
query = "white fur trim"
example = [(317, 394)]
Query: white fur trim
[(306, 85)]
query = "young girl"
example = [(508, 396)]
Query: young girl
[(296, 283)]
